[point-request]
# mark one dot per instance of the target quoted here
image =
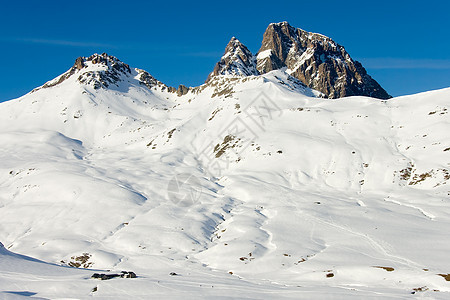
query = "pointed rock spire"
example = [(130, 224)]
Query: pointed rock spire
[(237, 60), (277, 42)]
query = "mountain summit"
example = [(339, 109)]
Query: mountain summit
[(237, 60), (103, 71), (98, 70), (314, 59)]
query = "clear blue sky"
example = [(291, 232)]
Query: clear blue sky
[(404, 45)]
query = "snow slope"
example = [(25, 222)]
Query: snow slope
[(246, 187)]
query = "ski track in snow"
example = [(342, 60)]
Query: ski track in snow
[(423, 212)]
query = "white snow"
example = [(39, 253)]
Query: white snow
[(300, 60), (264, 54), (311, 199), (233, 63)]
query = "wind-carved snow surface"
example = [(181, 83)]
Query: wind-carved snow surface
[(284, 195)]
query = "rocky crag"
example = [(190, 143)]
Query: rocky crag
[(314, 59)]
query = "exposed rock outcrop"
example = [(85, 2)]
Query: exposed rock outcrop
[(182, 90), (317, 61), (103, 77), (123, 274), (237, 60), (102, 71), (314, 59), (149, 81)]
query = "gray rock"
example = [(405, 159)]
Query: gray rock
[(182, 90), (314, 59), (123, 274), (317, 61), (237, 60)]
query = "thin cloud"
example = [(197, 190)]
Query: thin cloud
[(402, 63), (161, 49), (81, 44)]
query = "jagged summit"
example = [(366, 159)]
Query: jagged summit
[(101, 70), (102, 59), (104, 71), (237, 60), (316, 60), (98, 70), (277, 41)]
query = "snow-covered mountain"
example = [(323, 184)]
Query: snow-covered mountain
[(246, 186), (314, 59), (237, 60)]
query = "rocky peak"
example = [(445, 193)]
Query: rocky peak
[(317, 61), (102, 70), (237, 60), (106, 60), (278, 39), (105, 71), (98, 70), (314, 59)]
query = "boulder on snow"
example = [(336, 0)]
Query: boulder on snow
[(123, 274)]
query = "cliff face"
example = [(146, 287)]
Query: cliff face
[(317, 61), (314, 59)]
